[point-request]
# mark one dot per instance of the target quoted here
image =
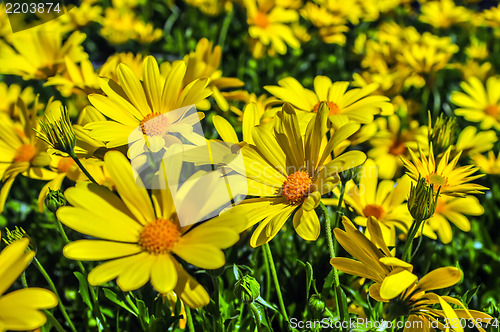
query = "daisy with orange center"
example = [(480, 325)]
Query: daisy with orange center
[(270, 27), (288, 172), (353, 105), (444, 175), (140, 107), (20, 151), (138, 237), (480, 102)]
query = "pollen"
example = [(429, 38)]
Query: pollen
[(492, 110), (154, 124), (374, 210), (297, 187), (159, 236), (437, 180), (334, 108), (25, 152), (261, 20)]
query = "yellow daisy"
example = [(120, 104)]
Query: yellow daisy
[(76, 79), (444, 176), (355, 105), (419, 305), (204, 62), (109, 67), (21, 310), (38, 54), (288, 173), (392, 140), (479, 103), (382, 201), (131, 103), (269, 27), (138, 237), (472, 142), (20, 151), (9, 94), (374, 260), (444, 13), (453, 209), (490, 165)]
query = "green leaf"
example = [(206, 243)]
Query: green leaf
[(114, 298), (309, 275), (260, 316), (83, 289)]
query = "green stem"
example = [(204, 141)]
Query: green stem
[(95, 304), (54, 289), (276, 281), (23, 280), (84, 170), (412, 232), (224, 29), (189, 317), (268, 275), (215, 281), (328, 229)]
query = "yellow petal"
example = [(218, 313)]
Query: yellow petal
[(396, 283), (131, 190), (137, 273), (270, 226), (439, 278), (355, 268), (13, 261), (216, 236), (306, 224), (96, 250), (111, 269), (454, 321), (225, 130), (163, 274), (190, 291), (201, 255)]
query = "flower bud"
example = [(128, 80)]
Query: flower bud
[(247, 289), (422, 201), (54, 200), (56, 130), (316, 304), (442, 134)]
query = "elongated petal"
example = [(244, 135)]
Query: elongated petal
[(163, 274), (190, 291), (306, 224), (201, 255), (395, 283), (96, 250), (440, 278)]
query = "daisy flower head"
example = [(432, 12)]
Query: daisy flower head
[(20, 151), (355, 105), (479, 102), (455, 210), (132, 103), (269, 27), (443, 175), (288, 172), (21, 310), (383, 201), (418, 304), (137, 236), (488, 165)]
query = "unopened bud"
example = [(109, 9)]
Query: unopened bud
[(247, 289), (54, 200), (316, 304), (422, 201), (442, 134), (17, 234)]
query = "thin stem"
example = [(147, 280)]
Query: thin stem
[(419, 241), (412, 232), (276, 281), (224, 29), (84, 170), (215, 281), (23, 280), (268, 275), (328, 229), (189, 317), (54, 289), (95, 304)]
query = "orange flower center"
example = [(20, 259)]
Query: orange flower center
[(296, 187), (374, 210), (397, 148), (334, 108), (154, 124), (64, 164), (159, 236), (437, 180), (261, 20), (25, 152), (492, 110)]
